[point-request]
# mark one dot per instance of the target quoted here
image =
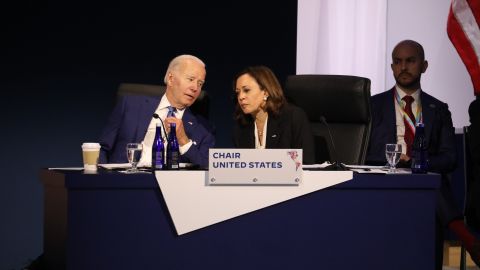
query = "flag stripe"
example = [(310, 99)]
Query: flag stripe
[(464, 15), (475, 7), (464, 32)]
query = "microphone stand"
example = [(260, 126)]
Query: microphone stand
[(335, 166), (156, 116)]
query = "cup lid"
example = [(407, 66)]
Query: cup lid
[(90, 145)]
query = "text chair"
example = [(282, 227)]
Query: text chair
[(344, 101)]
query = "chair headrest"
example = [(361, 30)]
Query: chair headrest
[(339, 98), (148, 90), (200, 106)]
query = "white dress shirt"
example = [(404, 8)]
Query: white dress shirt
[(264, 137), (147, 142)]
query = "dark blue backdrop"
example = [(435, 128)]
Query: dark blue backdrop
[(61, 64)]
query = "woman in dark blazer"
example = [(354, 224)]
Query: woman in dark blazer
[(263, 117)]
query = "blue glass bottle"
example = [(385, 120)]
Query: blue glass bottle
[(173, 149), (419, 150), (158, 150)]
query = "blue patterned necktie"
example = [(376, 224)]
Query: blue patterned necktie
[(171, 111)]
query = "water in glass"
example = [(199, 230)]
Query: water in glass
[(393, 152), (134, 152)]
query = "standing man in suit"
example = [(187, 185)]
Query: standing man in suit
[(132, 119), (394, 122), (473, 196)]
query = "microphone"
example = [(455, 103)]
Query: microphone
[(158, 117), (335, 166)]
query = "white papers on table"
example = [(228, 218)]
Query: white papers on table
[(67, 168), (113, 166), (316, 166)]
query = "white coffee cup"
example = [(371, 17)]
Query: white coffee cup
[(91, 153)]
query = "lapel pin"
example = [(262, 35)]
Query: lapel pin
[(191, 124), (194, 142), (274, 135)]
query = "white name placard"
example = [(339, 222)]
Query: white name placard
[(255, 167)]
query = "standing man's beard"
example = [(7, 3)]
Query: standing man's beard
[(410, 85)]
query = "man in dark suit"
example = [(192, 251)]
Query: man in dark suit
[(132, 121), (473, 196), (394, 115), (388, 125)]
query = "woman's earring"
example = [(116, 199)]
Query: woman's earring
[(265, 98)]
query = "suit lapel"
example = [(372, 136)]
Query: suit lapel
[(273, 132), (189, 122), (246, 138), (390, 114), (428, 113), (145, 112)]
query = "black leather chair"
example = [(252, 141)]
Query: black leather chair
[(200, 107), (344, 101), (471, 188)]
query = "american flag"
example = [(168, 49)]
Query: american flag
[(464, 32)]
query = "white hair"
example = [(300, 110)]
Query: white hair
[(177, 61)]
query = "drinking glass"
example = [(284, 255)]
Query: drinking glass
[(134, 152), (393, 152)]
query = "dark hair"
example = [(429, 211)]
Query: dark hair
[(412, 43), (268, 82)]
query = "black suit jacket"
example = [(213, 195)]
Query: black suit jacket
[(289, 129), (439, 131), (473, 185)]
